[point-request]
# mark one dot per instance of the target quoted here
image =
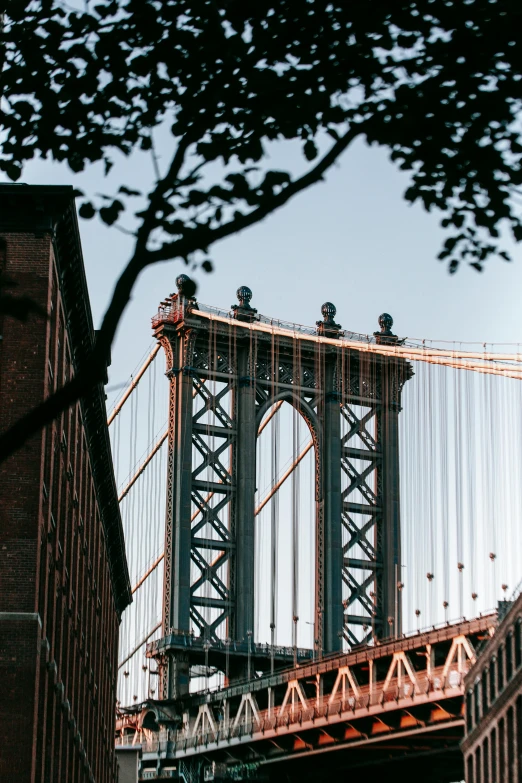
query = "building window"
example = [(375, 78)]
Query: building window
[(485, 760), (518, 749), (470, 778), (510, 746), (518, 645), (484, 690), (500, 668), (492, 680), (494, 756), (476, 698), (509, 657), (501, 748), (469, 710), (478, 765)]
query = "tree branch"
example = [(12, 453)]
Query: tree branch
[(182, 247), (91, 373)]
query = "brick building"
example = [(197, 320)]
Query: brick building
[(492, 745), (63, 574)]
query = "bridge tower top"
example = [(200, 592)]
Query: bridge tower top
[(227, 370)]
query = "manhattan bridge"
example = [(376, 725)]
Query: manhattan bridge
[(320, 526)]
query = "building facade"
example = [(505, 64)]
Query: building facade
[(492, 745), (63, 573)]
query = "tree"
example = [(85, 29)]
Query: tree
[(438, 82)]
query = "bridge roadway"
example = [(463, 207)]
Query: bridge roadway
[(396, 706)]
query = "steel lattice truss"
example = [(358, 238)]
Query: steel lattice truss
[(212, 543), (361, 518)]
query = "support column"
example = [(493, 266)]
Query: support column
[(244, 512), (389, 542), (178, 522), (333, 619)]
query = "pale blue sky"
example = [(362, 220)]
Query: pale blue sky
[(352, 240)]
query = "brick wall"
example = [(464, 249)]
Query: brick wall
[(58, 622)]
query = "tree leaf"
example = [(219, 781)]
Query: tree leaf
[(86, 210)]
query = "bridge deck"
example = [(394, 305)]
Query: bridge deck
[(387, 696)]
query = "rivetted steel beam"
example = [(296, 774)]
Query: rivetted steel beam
[(329, 618), (243, 504), (139, 375), (142, 467), (284, 477)]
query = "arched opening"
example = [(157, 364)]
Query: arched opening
[(285, 528)]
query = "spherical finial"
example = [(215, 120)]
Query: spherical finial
[(385, 322), (186, 286), (328, 311), (244, 295), (181, 281)]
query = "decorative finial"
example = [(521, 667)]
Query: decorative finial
[(244, 295), (181, 280), (327, 327), (243, 311), (386, 335), (186, 286), (329, 312), (386, 323)]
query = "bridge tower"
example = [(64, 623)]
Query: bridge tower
[(226, 371)]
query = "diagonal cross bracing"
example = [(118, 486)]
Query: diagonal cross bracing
[(361, 520)]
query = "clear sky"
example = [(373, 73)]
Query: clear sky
[(352, 240)]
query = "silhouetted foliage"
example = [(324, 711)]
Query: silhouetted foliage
[(437, 82), (19, 307)]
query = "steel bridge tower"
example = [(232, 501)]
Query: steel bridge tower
[(258, 364)]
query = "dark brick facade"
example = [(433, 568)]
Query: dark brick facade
[(63, 573), (492, 745)]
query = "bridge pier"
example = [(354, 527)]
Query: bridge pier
[(332, 610), (243, 506), (388, 477)]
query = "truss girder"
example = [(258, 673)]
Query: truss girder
[(394, 694)]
